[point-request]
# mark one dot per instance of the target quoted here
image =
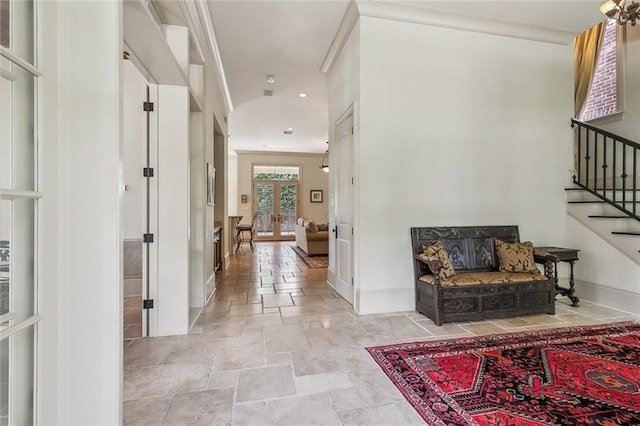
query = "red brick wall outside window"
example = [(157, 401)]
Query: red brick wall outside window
[(603, 93)]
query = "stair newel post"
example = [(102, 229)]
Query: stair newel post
[(577, 155)]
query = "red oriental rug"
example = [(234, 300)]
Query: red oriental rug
[(564, 376)]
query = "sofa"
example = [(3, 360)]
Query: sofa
[(312, 238), (479, 272)]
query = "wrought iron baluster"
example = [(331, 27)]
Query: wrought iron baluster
[(624, 176), (635, 180), (613, 172), (587, 158), (595, 161), (604, 166)]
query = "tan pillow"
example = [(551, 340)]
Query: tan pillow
[(312, 227), (436, 251), (516, 257)]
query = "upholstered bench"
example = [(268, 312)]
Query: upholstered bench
[(479, 272)]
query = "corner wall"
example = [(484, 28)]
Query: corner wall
[(471, 131)]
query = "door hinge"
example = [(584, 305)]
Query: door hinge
[(352, 130), (352, 230), (147, 304), (147, 171), (147, 106), (147, 238), (352, 181), (351, 281)]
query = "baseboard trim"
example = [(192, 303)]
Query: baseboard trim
[(384, 301), (610, 297)]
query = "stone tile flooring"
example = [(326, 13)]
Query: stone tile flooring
[(277, 346)]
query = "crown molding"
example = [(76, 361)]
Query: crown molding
[(424, 15), (207, 24), (344, 30)]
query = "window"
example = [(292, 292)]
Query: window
[(604, 98), (18, 212), (276, 173)]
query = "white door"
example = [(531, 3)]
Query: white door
[(140, 188), (343, 190)]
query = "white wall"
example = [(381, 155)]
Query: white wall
[(214, 110), (312, 178), (232, 187), (468, 132), (198, 202), (80, 261), (172, 298)]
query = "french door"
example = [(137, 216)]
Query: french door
[(277, 206), (19, 316)]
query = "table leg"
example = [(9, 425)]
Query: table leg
[(568, 292)]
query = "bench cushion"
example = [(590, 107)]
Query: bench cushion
[(476, 278), (436, 251), (516, 257)]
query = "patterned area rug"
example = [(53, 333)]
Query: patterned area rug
[(565, 376), (311, 261)]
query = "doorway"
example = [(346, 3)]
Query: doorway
[(276, 199)]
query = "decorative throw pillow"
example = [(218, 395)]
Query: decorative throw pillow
[(516, 257), (436, 251), (312, 227), (323, 227)]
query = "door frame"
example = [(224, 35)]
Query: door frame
[(345, 289)]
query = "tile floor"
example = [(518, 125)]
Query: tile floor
[(277, 346)]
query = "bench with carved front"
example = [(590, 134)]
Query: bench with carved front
[(478, 287)]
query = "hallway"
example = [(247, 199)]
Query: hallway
[(276, 345)]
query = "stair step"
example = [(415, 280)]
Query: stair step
[(604, 216), (599, 189), (601, 202), (626, 233)]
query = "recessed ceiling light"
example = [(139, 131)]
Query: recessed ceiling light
[(302, 95), (271, 79), (288, 131)]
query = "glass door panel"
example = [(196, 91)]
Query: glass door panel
[(276, 219), (288, 209), (264, 202)]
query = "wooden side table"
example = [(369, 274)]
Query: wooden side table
[(563, 255)]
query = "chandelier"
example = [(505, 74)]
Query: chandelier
[(615, 9)]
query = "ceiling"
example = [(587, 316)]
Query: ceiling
[(289, 40)]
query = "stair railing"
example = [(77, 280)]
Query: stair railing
[(607, 167)]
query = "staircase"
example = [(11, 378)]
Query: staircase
[(604, 195)]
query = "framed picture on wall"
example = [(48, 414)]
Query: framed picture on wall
[(211, 184), (316, 195)]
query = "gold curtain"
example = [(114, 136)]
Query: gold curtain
[(586, 48)]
